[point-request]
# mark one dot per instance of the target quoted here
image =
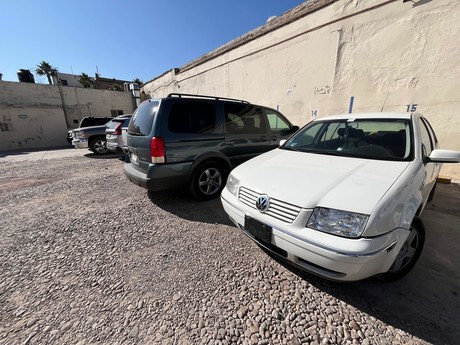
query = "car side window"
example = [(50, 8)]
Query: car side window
[(430, 130), (425, 136), (192, 117), (244, 119)]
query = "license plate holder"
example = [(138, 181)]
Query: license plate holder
[(134, 158), (257, 229)]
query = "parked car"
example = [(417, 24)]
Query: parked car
[(93, 138), (88, 121), (124, 139), (343, 196), (193, 141), (113, 133)]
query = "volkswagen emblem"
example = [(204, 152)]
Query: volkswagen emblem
[(262, 203)]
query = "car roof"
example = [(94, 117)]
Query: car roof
[(379, 116)]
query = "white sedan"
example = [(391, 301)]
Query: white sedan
[(343, 196)]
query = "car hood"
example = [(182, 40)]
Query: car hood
[(309, 180)]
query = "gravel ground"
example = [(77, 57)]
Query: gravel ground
[(88, 258)]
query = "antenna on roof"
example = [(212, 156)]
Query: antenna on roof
[(384, 102)]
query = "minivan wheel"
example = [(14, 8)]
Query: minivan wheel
[(208, 181), (409, 252), (98, 146)]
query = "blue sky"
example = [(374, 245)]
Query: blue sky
[(124, 39)]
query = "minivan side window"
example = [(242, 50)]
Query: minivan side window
[(192, 117), (244, 119), (277, 123)]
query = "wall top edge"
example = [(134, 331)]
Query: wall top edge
[(286, 18)]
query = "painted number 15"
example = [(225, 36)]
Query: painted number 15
[(411, 107)]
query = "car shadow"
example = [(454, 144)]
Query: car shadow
[(120, 156), (19, 152), (426, 302), (184, 205)]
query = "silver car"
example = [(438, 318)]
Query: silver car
[(113, 133)]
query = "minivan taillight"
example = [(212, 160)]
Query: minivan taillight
[(157, 150)]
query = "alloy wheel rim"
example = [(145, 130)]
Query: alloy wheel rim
[(407, 252), (100, 146), (210, 181)]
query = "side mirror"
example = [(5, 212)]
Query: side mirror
[(282, 142), (294, 129), (444, 156)]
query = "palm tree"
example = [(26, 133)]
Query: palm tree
[(85, 80), (44, 68), (138, 81)]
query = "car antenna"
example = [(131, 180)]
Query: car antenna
[(384, 102)]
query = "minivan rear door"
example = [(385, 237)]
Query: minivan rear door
[(140, 130)]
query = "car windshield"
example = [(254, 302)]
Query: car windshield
[(385, 139)]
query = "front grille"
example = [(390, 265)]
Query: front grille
[(278, 209)]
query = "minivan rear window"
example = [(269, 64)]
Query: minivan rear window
[(142, 120), (192, 117)]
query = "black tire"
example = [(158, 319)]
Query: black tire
[(431, 196), (409, 253), (208, 180), (99, 146)]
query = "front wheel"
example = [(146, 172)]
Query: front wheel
[(208, 181), (99, 146), (409, 253)]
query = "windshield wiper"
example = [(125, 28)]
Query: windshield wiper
[(290, 148), (330, 152)]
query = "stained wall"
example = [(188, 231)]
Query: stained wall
[(390, 55)]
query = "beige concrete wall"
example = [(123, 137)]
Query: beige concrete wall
[(80, 102), (384, 53), (32, 115)]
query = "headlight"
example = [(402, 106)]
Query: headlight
[(232, 185), (341, 223)]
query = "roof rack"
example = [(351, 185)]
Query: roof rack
[(180, 95)]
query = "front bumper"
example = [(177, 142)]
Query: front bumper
[(329, 256), (80, 143)]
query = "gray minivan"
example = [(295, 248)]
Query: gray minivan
[(193, 141)]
